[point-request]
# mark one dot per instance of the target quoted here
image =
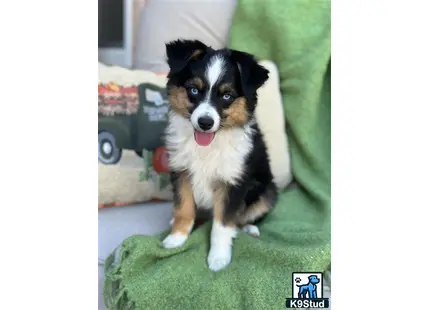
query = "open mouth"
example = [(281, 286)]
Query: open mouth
[(203, 138)]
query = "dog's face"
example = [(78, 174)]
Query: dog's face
[(214, 89), (314, 279)]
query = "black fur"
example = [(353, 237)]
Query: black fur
[(179, 52), (252, 75), (174, 179), (257, 182)]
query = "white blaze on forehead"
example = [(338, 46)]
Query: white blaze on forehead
[(215, 70)]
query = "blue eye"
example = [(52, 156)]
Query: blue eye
[(226, 97), (194, 91)]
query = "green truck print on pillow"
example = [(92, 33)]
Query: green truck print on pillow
[(130, 118)]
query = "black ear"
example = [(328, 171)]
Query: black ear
[(252, 75), (180, 52)]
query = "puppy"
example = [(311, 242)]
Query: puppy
[(217, 157)]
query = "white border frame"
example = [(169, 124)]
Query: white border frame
[(122, 57), (380, 155)]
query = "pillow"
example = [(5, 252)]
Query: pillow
[(132, 116), (133, 110), (270, 117)]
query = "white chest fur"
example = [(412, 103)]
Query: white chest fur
[(222, 160)]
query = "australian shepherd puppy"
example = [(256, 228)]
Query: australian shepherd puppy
[(217, 156)]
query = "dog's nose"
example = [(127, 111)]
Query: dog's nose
[(205, 122)]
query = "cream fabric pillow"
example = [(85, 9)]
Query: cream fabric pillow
[(122, 183), (271, 119)]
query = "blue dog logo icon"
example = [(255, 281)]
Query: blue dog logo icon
[(309, 295), (309, 290)]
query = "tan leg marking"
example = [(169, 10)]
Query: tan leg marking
[(185, 212), (183, 215)]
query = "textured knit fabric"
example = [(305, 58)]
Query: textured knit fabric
[(295, 34)]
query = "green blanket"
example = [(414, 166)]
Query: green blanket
[(295, 34)]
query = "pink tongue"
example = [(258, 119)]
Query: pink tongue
[(203, 138)]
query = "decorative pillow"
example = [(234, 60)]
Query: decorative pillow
[(132, 116), (270, 117)]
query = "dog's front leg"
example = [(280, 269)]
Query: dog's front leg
[(227, 200), (183, 211)]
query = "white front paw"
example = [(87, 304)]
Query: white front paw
[(174, 240), (251, 230), (219, 257)]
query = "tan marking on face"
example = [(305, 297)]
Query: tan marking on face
[(184, 212), (195, 81), (179, 101), (236, 114), (226, 87)]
